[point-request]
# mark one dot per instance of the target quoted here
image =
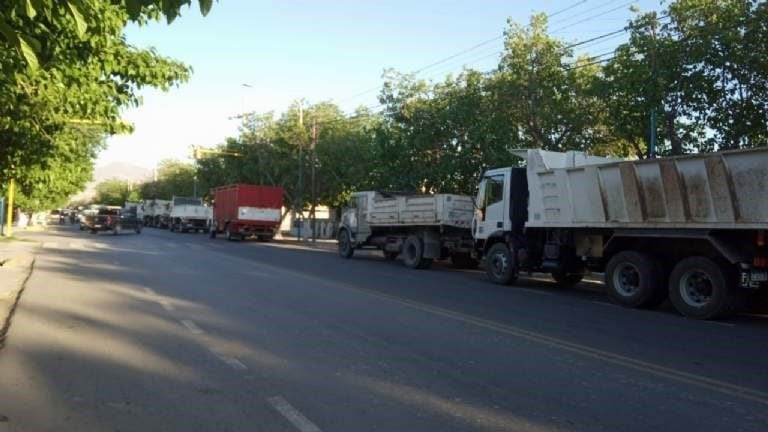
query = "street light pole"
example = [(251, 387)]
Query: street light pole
[(301, 180)]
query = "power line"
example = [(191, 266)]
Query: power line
[(462, 52), (623, 5)]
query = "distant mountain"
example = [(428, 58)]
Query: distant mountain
[(118, 170)]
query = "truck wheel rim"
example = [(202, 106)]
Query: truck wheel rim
[(696, 288), (499, 263), (626, 279)]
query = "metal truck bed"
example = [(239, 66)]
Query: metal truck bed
[(438, 209), (726, 190)]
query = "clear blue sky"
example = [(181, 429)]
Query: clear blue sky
[(322, 50)]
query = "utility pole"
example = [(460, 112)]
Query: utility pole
[(652, 145), (313, 181), (9, 212), (300, 194)]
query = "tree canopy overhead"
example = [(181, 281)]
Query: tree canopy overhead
[(65, 65)]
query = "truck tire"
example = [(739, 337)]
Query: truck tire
[(116, 230), (567, 280), (413, 254), (702, 288), (345, 244), (138, 230), (635, 279), (500, 264), (463, 261), (231, 237), (212, 233)]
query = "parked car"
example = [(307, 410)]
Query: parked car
[(113, 219)]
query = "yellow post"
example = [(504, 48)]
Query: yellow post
[(9, 214)]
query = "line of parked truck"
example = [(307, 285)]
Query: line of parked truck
[(692, 229), (238, 211)]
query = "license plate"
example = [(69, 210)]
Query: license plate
[(759, 276)]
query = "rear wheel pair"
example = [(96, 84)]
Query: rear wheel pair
[(698, 287)]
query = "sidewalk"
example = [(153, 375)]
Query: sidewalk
[(16, 260)]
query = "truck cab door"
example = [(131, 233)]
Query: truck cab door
[(492, 209)]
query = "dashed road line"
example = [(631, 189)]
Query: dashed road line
[(192, 327), (293, 415), (232, 362)]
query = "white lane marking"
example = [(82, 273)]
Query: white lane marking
[(292, 415), (233, 362), (192, 327), (150, 291), (532, 291), (167, 305)]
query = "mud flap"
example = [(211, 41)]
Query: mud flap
[(432, 246)]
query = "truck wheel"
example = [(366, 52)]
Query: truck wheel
[(567, 280), (212, 233), (500, 265), (116, 230), (231, 237), (463, 261), (138, 230), (345, 244), (704, 289), (635, 280), (413, 253)]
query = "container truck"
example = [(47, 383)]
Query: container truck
[(244, 210), (157, 213), (420, 228), (189, 214), (692, 228)]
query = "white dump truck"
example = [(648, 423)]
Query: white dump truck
[(420, 228), (692, 228), (157, 213), (189, 214)]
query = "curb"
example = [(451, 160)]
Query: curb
[(7, 310)]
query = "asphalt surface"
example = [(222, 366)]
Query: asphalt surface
[(178, 332)]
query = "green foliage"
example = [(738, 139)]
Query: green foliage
[(116, 192), (65, 66), (173, 178)]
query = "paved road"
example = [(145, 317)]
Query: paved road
[(176, 332)]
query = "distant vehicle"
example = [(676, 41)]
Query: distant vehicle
[(189, 214), (157, 213), (112, 219), (243, 210)]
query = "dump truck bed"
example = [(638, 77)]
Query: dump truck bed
[(438, 209), (726, 190)]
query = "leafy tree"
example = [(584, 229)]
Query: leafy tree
[(173, 178), (63, 65), (116, 192)]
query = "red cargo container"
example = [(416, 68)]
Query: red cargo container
[(243, 210)]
